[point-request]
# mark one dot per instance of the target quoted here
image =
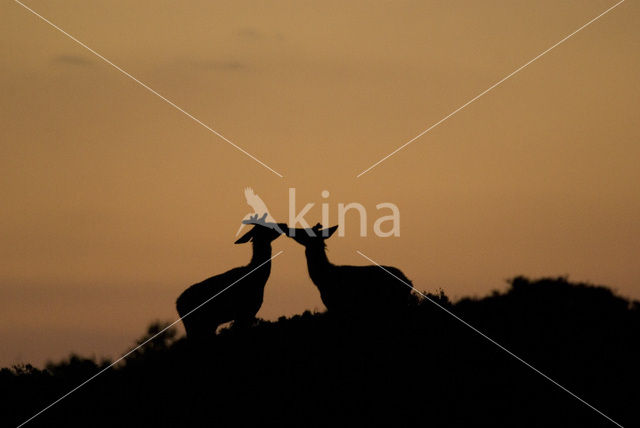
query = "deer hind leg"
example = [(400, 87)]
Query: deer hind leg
[(195, 329)]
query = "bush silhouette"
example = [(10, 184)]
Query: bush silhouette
[(315, 369)]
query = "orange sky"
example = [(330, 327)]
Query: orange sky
[(114, 202)]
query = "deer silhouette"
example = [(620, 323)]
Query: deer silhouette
[(350, 289), (240, 302)]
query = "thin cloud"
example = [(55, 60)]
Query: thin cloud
[(221, 65), (249, 34), (76, 60), (252, 34)]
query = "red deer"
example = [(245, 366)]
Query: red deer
[(351, 289), (241, 301)]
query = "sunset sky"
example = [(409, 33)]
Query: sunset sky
[(113, 202)]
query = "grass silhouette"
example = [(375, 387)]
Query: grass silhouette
[(314, 369)]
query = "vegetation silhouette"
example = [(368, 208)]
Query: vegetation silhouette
[(352, 290), (317, 369), (239, 302)]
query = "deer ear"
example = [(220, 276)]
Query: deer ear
[(326, 233), (282, 228), (245, 238)]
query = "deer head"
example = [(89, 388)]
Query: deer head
[(262, 231), (314, 236)]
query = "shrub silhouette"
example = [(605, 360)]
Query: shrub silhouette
[(316, 369)]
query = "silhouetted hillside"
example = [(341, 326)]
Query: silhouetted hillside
[(426, 369)]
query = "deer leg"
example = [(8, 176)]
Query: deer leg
[(196, 331)]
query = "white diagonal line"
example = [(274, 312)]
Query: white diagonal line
[(488, 89), (145, 342), (171, 103), (490, 339)]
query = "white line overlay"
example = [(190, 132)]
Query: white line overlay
[(488, 89), (490, 339), (171, 103), (145, 342)]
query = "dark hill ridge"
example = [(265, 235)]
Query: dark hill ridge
[(425, 369)]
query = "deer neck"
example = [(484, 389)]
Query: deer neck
[(317, 263), (261, 253)]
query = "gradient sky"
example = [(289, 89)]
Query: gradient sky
[(113, 202)]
